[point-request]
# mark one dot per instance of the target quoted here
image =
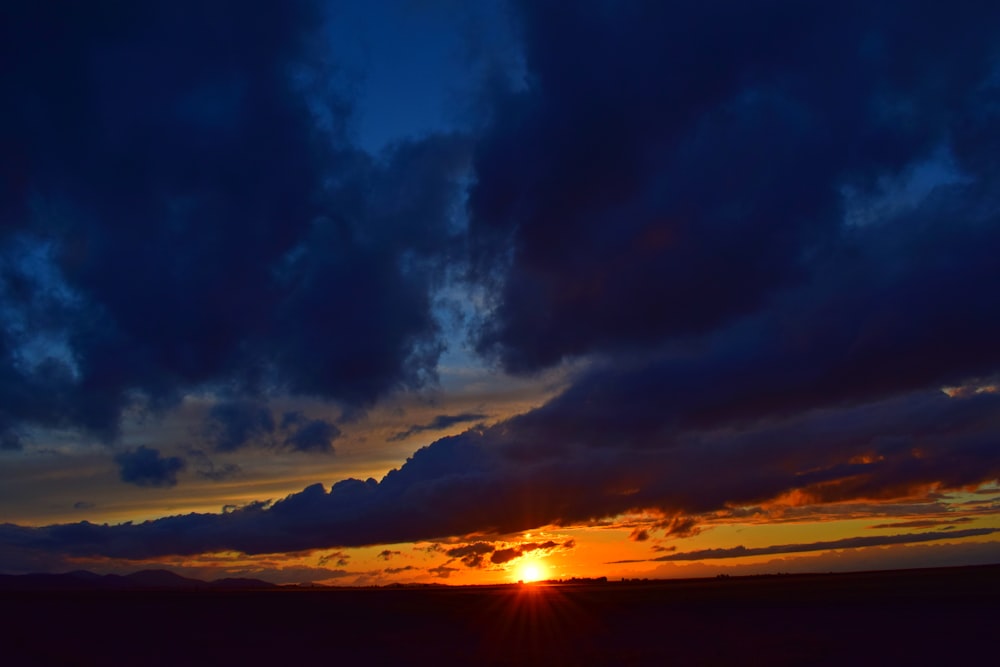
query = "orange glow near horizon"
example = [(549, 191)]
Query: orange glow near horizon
[(567, 553), (530, 570)]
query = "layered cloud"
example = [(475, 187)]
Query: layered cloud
[(768, 234), (828, 545), (502, 480)]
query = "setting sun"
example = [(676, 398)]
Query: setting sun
[(530, 571)]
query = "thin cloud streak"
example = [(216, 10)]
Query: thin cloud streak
[(846, 543), (439, 423)]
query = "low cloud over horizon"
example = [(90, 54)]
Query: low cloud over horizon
[(845, 543)]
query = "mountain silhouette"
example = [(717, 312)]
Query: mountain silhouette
[(142, 580)]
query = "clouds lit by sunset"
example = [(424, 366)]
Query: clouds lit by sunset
[(365, 293)]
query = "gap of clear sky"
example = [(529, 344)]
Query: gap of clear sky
[(416, 291)]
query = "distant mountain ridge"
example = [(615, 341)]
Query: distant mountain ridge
[(142, 580)]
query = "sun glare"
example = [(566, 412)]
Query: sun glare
[(530, 571)]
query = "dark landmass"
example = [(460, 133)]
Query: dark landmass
[(81, 580), (914, 617)]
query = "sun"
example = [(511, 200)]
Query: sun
[(531, 570)]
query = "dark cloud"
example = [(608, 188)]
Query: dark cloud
[(430, 549), (309, 435), (667, 170), (83, 505), (845, 543), (233, 425), (501, 556), (474, 554), (680, 526), (780, 241), (398, 570), (476, 548), (387, 554), (439, 423), (471, 555), (341, 558), (442, 571), (891, 557), (639, 535), (146, 467), (181, 210), (923, 523)]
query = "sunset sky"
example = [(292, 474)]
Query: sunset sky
[(470, 292)]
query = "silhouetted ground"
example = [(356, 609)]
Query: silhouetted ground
[(906, 617)]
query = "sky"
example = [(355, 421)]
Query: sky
[(425, 291)]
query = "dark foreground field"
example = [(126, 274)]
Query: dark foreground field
[(907, 617)]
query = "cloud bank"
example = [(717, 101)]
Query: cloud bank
[(490, 482)]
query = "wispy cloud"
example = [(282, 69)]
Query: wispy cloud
[(846, 543), (439, 423), (923, 523)]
